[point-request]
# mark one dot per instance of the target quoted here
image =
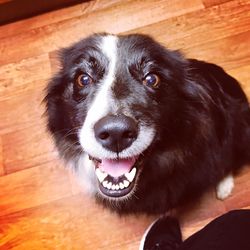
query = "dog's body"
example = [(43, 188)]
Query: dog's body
[(148, 129)]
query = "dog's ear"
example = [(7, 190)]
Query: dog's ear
[(163, 234)]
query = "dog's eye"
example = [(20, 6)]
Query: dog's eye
[(151, 80), (84, 80)]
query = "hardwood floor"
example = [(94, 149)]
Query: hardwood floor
[(41, 204)]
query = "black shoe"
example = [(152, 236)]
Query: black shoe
[(163, 234)]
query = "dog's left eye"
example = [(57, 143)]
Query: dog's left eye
[(84, 80), (151, 80)]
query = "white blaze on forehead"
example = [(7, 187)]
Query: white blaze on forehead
[(108, 47), (103, 102)]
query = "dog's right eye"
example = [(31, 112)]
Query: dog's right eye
[(84, 80), (151, 80)]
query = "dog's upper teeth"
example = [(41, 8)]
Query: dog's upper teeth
[(100, 175), (131, 175)]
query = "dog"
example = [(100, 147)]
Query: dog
[(146, 129)]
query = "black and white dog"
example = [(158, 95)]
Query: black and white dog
[(147, 129)]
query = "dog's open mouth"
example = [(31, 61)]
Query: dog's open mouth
[(116, 177)]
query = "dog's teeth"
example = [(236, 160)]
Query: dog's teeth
[(105, 184), (131, 175), (126, 183), (109, 185), (121, 185), (100, 175)]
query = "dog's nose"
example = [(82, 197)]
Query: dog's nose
[(116, 132)]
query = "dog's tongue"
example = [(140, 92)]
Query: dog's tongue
[(116, 168)]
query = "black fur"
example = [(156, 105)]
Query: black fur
[(201, 114)]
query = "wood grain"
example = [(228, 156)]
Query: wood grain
[(56, 35), (42, 206), (69, 227), (27, 74), (33, 187), (200, 28), (230, 52), (209, 3), (23, 110), (2, 171), (32, 147), (54, 17)]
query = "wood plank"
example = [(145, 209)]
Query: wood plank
[(202, 26), (25, 75), (185, 32), (74, 214), (24, 110), (33, 187), (209, 3), (54, 17), (27, 148), (72, 223), (2, 172), (230, 52), (131, 14)]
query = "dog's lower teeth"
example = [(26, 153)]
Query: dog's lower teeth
[(104, 179), (131, 175), (105, 184), (109, 185), (119, 186), (125, 183)]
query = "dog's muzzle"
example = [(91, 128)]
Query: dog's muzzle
[(116, 176)]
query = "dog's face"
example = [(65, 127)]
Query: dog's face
[(110, 107)]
